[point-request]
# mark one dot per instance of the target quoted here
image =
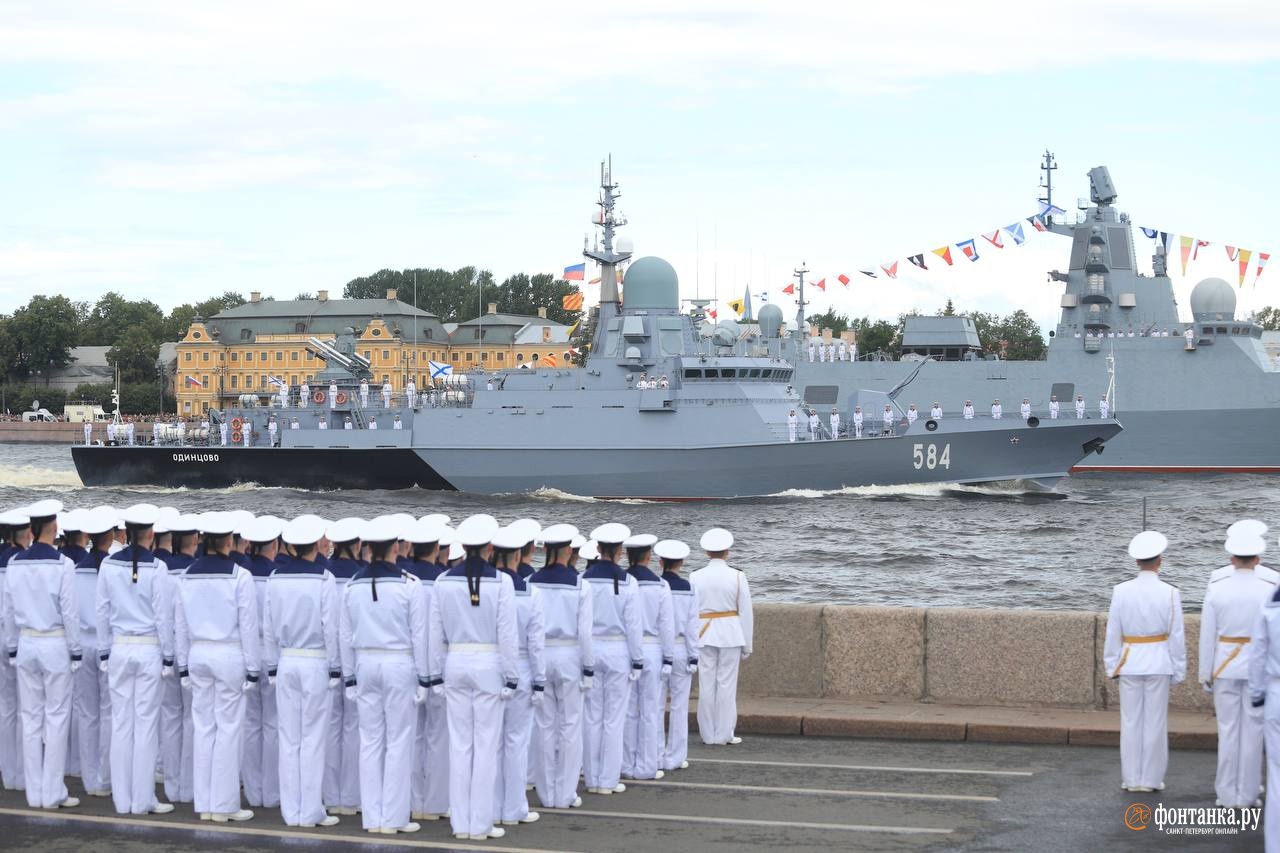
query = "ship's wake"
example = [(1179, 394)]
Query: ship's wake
[(38, 479), (558, 495)]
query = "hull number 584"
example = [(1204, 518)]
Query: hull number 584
[(929, 456)]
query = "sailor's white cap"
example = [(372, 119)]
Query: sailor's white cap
[(19, 518), (577, 541), (403, 522), (240, 519), (611, 533), (509, 538), (424, 532), (97, 521), (1246, 545), (264, 529), (141, 515), (671, 549), (184, 524), (477, 530), (345, 529), (589, 551), (1247, 525), (380, 530), (48, 508), (716, 539), (165, 519), (217, 523), (526, 528), (559, 534), (71, 521), (1147, 545), (303, 530), (640, 540), (438, 517), (456, 551)]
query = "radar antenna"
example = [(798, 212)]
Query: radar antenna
[(1048, 167), (799, 274), (604, 252)]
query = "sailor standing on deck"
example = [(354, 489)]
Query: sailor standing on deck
[(386, 395), (1104, 408), (16, 528), (333, 395), (135, 632), (912, 414), (300, 652), (724, 611), (813, 349), (304, 395), (997, 411), (42, 638), (887, 418), (111, 432), (1025, 408), (1079, 407), (676, 686), (936, 411), (347, 424), (792, 422), (271, 431), (857, 421), (411, 393), (222, 429), (570, 666), (1146, 649), (88, 432), (364, 393), (260, 770), (92, 694), (1232, 603), (968, 410), (835, 422), (815, 425), (1053, 407)]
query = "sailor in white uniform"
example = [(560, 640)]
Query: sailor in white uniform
[(396, 423), (293, 423), (1054, 407), (271, 431), (304, 395), (997, 411), (830, 352), (373, 423), (342, 748), (813, 349), (1146, 649), (324, 423), (1104, 408), (912, 414), (887, 418), (364, 393), (347, 424), (616, 639), (177, 731), (300, 652), (16, 528), (1025, 408), (135, 627), (835, 422), (384, 664), (92, 694), (843, 350), (386, 395), (260, 768), (936, 411), (42, 637), (792, 423), (1257, 528), (111, 432), (642, 737), (968, 410), (815, 426), (410, 393), (333, 395), (724, 611), (1264, 691), (1230, 612), (570, 666), (429, 794), (677, 685), (474, 652), (222, 430), (88, 432), (1079, 407), (511, 803), (216, 641), (857, 421)]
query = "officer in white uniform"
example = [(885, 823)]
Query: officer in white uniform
[(111, 432), (843, 351), (857, 421), (616, 639), (324, 423), (1264, 690), (293, 423), (1054, 407), (1256, 528), (835, 422), (792, 423), (813, 349), (300, 652), (685, 624), (410, 393), (260, 767), (128, 429), (570, 666), (216, 641), (347, 424), (830, 352), (271, 431), (815, 425), (92, 693), (474, 651), (1025, 408), (373, 423), (968, 410), (1079, 407), (135, 626), (511, 804), (1104, 408), (936, 411), (177, 732), (386, 395), (1146, 649), (384, 655), (88, 432), (16, 528), (997, 411), (887, 418), (333, 395), (912, 414), (42, 636), (342, 749), (396, 423), (222, 429), (642, 737), (304, 395), (724, 602), (1232, 603)]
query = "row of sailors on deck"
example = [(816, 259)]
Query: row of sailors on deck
[(401, 668), (647, 383), (834, 351), (1239, 665)]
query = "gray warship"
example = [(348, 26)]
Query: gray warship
[(1195, 394), (713, 422)]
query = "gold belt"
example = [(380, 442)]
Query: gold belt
[(1131, 639), (1239, 643), (718, 614)]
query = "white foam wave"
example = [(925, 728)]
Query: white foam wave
[(36, 478), (910, 490), (558, 495)]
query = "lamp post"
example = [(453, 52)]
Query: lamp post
[(160, 384)]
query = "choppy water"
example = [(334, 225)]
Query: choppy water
[(900, 545)]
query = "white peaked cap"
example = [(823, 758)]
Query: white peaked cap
[(185, 524), (456, 551), (303, 531), (380, 530), (217, 523), (589, 551), (436, 516), (96, 521), (526, 528), (577, 542), (345, 529), (640, 540), (48, 508), (477, 530), (611, 533), (164, 522), (558, 534), (71, 520), (716, 539), (19, 518), (265, 529), (1247, 525), (1246, 545), (509, 538), (143, 515), (671, 549), (425, 532), (1147, 545)]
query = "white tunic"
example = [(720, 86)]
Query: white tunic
[(127, 609), (217, 604), (1145, 607), (300, 611), (40, 596), (1232, 603), (566, 614), (723, 589)]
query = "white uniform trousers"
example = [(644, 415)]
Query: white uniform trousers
[(44, 701), (260, 768), (642, 737), (176, 732), (1239, 779), (302, 708), (10, 729), (1144, 738), (134, 676), (73, 734), (675, 690), (385, 683), (1271, 730), (510, 802), (91, 710), (605, 715), (472, 685), (436, 793), (342, 754), (559, 727), (217, 718), (718, 693)]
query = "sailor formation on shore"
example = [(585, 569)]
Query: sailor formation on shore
[(1239, 665), (400, 668)]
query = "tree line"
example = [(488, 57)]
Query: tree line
[(1015, 336)]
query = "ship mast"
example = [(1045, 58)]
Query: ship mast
[(1049, 166), (604, 252), (799, 274)]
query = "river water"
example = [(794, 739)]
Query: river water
[(941, 546)]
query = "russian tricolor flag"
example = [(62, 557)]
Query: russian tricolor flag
[(577, 272), (191, 380)]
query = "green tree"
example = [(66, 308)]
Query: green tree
[(113, 315), (41, 335), (178, 321), (837, 323), (948, 310), (524, 295), (1268, 318), (877, 336), (1021, 337), (218, 304), (135, 354)]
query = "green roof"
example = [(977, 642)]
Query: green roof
[(282, 317)]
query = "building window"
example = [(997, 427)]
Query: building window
[(469, 357), (477, 334), (205, 380), (299, 328), (484, 356), (455, 356), (533, 357), (427, 335), (235, 356), (368, 355), (235, 381), (501, 357), (519, 357), (204, 356), (377, 333), (204, 407), (246, 335), (279, 357), (186, 357), (186, 405), (310, 355), (195, 336), (293, 356), (386, 355), (293, 380)]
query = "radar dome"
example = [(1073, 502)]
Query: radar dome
[(770, 320), (651, 284), (726, 333), (1213, 299)]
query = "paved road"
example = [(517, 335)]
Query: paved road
[(798, 794)]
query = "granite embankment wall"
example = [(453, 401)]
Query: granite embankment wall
[(48, 433), (942, 655)]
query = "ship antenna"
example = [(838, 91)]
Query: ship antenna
[(1111, 382), (604, 253), (1049, 166)]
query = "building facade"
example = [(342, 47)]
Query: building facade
[(253, 347)]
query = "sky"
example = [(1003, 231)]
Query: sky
[(175, 151)]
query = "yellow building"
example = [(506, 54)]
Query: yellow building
[(240, 350)]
